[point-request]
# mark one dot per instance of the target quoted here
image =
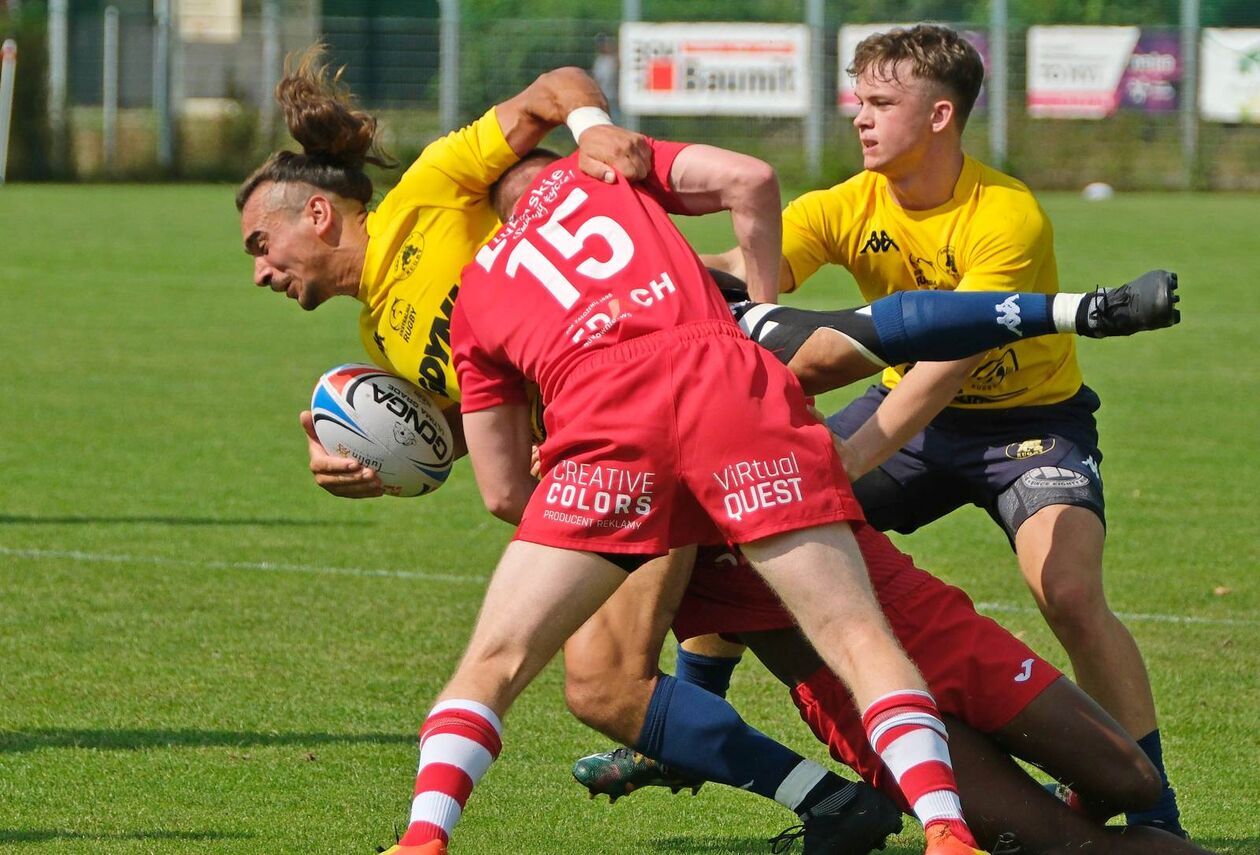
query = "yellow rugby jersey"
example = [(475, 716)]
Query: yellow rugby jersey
[(419, 238), (990, 236)]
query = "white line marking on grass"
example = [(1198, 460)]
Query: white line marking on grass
[(277, 567), (265, 566), (1010, 607)]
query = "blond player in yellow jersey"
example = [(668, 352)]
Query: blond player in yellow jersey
[(1011, 430), (305, 219)]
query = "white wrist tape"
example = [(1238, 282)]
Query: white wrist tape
[(584, 118)]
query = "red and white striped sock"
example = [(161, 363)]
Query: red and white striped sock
[(459, 741), (906, 731)]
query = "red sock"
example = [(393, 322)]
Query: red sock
[(906, 731), (459, 741)]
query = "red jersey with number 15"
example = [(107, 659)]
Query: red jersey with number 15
[(580, 266)]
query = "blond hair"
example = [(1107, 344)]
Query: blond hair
[(934, 52)]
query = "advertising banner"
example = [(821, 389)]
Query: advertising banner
[(715, 69), (1090, 72), (852, 34), (1153, 78), (1229, 84), (216, 21)]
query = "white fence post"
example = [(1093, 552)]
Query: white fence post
[(8, 71), (1189, 89), (270, 67), (630, 12), (109, 89), (999, 62), (814, 120), (58, 65), (162, 35), (448, 99)]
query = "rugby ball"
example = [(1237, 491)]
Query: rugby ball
[(385, 423)]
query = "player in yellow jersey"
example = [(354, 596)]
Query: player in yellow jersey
[(1011, 430), (305, 219)]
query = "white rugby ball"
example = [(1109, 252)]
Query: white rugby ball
[(385, 423)]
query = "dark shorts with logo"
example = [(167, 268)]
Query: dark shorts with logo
[(1011, 462)]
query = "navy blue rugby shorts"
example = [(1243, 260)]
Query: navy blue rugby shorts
[(1010, 462)]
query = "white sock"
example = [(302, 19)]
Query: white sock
[(1063, 309)]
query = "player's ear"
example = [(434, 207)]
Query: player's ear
[(319, 211), (943, 113)]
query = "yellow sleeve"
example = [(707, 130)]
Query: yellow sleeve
[(813, 233), (460, 166), (1010, 254)]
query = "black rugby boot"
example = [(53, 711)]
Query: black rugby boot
[(1147, 303)]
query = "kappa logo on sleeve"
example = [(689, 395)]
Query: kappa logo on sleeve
[(1008, 314)]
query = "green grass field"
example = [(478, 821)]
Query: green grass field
[(202, 652)]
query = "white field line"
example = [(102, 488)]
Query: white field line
[(263, 566), (277, 567), (1128, 616)]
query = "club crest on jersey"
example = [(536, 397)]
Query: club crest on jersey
[(924, 272), (1029, 448), (988, 377), (408, 258)]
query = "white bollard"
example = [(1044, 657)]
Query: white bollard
[(8, 70), (109, 89)]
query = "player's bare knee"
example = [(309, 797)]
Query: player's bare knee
[(1076, 608), (1140, 786), (591, 698), (1122, 778)]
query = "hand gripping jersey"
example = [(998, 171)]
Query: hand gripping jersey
[(419, 237), (990, 236), (590, 266)]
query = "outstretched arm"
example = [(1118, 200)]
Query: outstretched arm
[(549, 102), (709, 179)]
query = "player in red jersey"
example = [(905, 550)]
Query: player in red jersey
[(1000, 701), (590, 293)]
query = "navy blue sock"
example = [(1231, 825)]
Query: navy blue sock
[(1165, 813), (932, 325), (711, 673), (695, 731)]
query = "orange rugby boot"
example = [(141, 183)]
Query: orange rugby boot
[(433, 847), (941, 841)]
